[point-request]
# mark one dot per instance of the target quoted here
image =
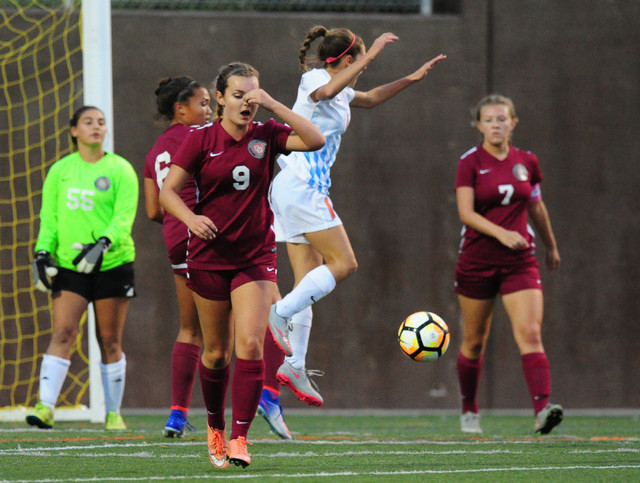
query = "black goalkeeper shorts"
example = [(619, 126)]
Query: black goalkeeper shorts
[(117, 282)]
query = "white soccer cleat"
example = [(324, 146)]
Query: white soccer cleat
[(470, 423), (298, 381), (548, 418), (279, 327)]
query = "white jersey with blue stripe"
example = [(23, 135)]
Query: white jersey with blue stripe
[(332, 117)]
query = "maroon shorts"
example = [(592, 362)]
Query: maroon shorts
[(178, 258), (477, 280), (218, 284)]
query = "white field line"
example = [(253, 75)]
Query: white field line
[(281, 454), (144, 444), (235, 475), (306, 454), (145, 454)]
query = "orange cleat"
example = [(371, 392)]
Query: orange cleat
[(217, 447), (237, 452)]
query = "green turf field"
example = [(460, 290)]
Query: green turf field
[(334, 446)]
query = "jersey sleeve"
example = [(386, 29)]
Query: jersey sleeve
[(48, 233), (190, 152), (313, 80), (350, 93), (125, 206), (280, 135), (536, 172), (149, 161), (466, 175)]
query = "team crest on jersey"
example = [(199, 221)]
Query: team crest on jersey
[(520, 172), (102, 183), (258, 148)]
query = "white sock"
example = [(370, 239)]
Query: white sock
[(113, 378), (53, 372), (313, 286), (299, 333)]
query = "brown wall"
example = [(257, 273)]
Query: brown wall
[(572, 69)]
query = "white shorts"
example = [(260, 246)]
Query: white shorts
[(299, 208)]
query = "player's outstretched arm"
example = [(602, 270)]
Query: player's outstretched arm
[(380, 94), (305, 136), (346, 76)]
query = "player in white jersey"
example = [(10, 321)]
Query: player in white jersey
[(304, 213)]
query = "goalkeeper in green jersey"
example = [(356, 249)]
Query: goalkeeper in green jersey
[(84, 253)]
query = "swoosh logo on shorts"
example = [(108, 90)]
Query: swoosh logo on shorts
[(270, 269), (213, 155)]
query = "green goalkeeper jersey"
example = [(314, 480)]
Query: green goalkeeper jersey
[(82, 202)]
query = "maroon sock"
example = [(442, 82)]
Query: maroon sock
[(469, 377), (185, 360), (536, 373), (273, 359), (246, 389), (214, 384)]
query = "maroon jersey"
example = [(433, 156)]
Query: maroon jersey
[(156, 167), (233, 179), (502, 190)]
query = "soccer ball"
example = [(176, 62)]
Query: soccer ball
[(424, 336)]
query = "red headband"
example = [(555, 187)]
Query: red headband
[(328, 60)]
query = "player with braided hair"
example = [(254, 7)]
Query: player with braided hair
[(304, 214)]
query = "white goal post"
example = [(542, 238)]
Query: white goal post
[(98, 91)]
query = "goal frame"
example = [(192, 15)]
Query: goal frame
[(97, 91)]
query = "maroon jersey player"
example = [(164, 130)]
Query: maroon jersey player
[(502, 192), (233, 180), (156, 168), (184, 103), (497, 191), (231, 249)]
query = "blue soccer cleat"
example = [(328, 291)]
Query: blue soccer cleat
[(270, 409), (176, 424)]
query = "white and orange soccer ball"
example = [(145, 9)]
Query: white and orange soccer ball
[(424, 337)]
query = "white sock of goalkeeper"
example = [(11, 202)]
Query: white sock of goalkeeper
[(313, 286), (113, 378), (53, 372), (299, 334)]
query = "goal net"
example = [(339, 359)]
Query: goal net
[(41, 68)]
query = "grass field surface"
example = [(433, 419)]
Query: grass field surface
[(333, 446)]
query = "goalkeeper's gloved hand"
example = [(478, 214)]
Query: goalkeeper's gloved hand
[(90, 257), (42, 269)]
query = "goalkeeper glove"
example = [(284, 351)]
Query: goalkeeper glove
[(42, 269), (90, 257)]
